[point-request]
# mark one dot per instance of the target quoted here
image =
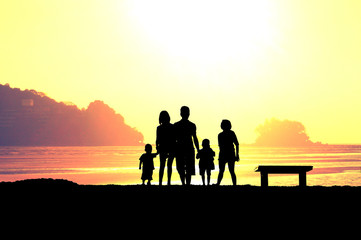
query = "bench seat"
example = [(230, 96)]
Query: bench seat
[(282, 169)]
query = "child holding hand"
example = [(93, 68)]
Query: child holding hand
[(148, 164), (206, 156)]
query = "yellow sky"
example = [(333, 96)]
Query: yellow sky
[(241, 60)]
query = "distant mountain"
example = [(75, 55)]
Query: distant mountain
[(30, 118), (286, 133)]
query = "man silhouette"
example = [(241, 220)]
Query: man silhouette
[(185, 156)]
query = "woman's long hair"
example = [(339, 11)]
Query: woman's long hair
[(164, 117)]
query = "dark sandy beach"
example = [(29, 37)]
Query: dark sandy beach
[(200, 194), (199, 210)]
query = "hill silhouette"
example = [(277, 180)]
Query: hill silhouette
[(286, 133), (30, 118)]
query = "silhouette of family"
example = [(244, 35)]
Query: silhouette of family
[(177, 141)]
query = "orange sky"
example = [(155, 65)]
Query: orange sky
[(242, 60)]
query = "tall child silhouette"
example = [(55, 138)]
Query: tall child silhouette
[(185, 156), (226, 141)]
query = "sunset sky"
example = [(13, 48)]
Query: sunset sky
[(245, 61)]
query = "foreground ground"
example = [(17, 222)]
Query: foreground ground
[(200, 195), (181, 211)]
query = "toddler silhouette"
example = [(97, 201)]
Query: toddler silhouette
[(148, 165), (206, 156)]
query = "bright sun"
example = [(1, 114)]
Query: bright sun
[(205, 30)]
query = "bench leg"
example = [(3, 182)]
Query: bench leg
[(303, 179), (264, 179)]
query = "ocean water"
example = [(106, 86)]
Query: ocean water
[(333, 165)]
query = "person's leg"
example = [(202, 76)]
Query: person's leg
[(188, 178), (222, 165), (231, 171), (208, 176), (169, 166), (189, 165), (181, 167), (162, 159)]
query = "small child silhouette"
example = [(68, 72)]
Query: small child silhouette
[(148, 165), (206, 156)]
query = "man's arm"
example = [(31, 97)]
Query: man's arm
[(196, 142), (195, 139)]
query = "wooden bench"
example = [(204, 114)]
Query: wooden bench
[(268, 169)]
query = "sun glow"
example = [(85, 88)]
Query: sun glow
[(210, 32), (244, 60)]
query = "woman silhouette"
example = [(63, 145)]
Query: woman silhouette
[(226, 141), (165, 144)]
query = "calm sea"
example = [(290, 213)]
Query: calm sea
[(333, 165)]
